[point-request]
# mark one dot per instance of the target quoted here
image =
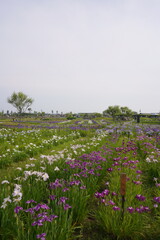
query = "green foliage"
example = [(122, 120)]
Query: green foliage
[(20, 101), (117, 110), (70, 116)]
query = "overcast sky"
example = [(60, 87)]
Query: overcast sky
[(81, 55)]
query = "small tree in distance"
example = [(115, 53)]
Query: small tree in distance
[(116, 110), (20, 101)]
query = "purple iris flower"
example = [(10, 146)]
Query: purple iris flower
[(156, 199), (40, 206), (110, 169), (137, 182), (140, 197), (130, 209), (115, 208), (111, 202), (65, 189), (142, 209), (41, 236), (17, 209), (31, 201), (105, 192), (62, 200), (31, 210), (67, 206), (52, 197), (42, 214)]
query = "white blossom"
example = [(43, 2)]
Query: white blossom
[(18, 168), (45, 176), (5, 200), (4, 181), (56, 169)]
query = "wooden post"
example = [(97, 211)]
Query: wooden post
[(123, 191)]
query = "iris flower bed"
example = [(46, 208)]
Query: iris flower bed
[(20, 145), (75, 193)]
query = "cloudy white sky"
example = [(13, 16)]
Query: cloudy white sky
[(81, 55)]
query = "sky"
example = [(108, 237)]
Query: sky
[(81, 55)]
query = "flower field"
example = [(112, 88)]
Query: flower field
[(79, 180)]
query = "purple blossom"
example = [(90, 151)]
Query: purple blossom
[(146, 209), (105, 192), (115, 164), (41, 236), (55, 184), (132, 167), (156, 199), (67, 206), (142, 209), (52, 216), (91, 171), (116, 159), (109, 169), (140, 197), (31, 201), (99, 167), (125, 164), (62, 200), (42, 214), (98, 174), (65, 189), (52, 197), (114, 194), (115, 208), (44, 218), (84, 175), (139, 210), (111, 202), (38, 223), (103, 200), (98, 195), (31, 210), (138, 176), (76, 182), (76, 174), (17, 209), (40, 206), (130, 209), (44, 206), (137, 182)]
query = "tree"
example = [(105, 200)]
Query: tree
[(112, 111), (115, 111), (126, 111), (20, 101)]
